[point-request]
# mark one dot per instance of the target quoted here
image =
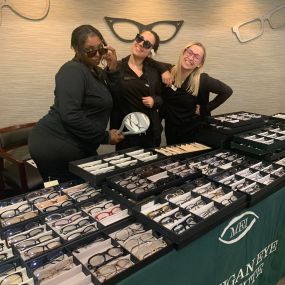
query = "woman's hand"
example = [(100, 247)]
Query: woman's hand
[(148, 101), (167, 78), (115, 136), (111, 58)]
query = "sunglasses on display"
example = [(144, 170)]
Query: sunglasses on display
[(146, 44), (93, 52)]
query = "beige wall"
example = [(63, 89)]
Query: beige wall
[(32, 51)]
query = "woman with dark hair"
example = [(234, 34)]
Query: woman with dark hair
[(76, 124), (138, 91)]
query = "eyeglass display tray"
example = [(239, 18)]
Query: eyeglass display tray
[(138, 264), (265, 190), (101, 161), (165, 182), (185, 149), (202, 226), (280, 117), (237, 119), (267, 139), (259, 153)]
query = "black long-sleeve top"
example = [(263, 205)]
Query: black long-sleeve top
[(179, 105), (82, 106), (128, 93)]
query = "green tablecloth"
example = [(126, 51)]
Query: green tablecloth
[(252, 251)]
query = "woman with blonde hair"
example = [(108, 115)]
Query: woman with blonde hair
[(186, 95)]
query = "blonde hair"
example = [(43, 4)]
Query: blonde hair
[(194, 79)]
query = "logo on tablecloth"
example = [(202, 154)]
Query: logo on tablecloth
[(238, 227)]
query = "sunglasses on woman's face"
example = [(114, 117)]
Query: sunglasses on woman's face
[(146, 44), (93, 51)]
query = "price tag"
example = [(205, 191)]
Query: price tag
[(52, 183)]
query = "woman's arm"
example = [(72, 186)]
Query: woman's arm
[(211, 85)]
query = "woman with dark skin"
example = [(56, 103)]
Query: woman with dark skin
[(76, 124), (138, 91)]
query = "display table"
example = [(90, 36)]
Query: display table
[(252, 252)]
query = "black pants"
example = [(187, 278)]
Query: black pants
[(52, 155), (184, 133), (141, 140)]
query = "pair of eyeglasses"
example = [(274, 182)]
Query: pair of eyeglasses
[(40, 249), (137, 240), (229, 200), (172, 218), (73, 227), (66, 221), (146, 44), (84, 195), (40, 263), (132, 183), (185, 225), (144, 249), (215, 194), (31, 242), (209, 212), (12, 201), (20, 218), (158, 212), (19, 229), (7, 268), (193, 207), (57, 216), (189, 52), (85, 230), (14, 278), (17, 211), (96, 260), (144, 188), (133, 229), (107, 271), (109, 212), (31, 233), (93, 52), (243, 184), (54, 204), (100, 207), (55, 269), (178, 192)]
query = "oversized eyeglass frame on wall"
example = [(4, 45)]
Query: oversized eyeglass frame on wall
[(259, 20), (141, 27)]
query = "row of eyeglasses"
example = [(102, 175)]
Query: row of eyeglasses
[(139, 241), (57, 267), (148, 177), (14, 273), (237, 117), (103, 258), (218, 161), (267, 136), (181, 148), (254, 178), (115, 161), (189, 204)]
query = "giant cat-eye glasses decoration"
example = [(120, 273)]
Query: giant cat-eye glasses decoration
[(254, 28), (117, 25), (25, 9)]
